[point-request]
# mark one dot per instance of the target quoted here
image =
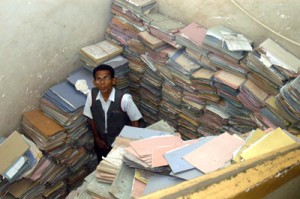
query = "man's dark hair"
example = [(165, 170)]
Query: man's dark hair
[(104, 67)]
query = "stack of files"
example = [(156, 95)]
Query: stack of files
[(278, 60), (53, 174), (44, 164), (67, 119), (289, 99), (210, 98), (163, 27), (34, 155), (81, 160), (227, 84), (214, 154), (192, 37), (125, 28), (108, 168), (179, 166), (252, 96), (135, 75), (77, 131), (151, 42), (171, 93), (150, 63), (74, 180), (113, 34), (259, 142), (137, 7), (161, 57), (26, 188), (125, 13), (136, 46), (274, 114), (151, 157), (44, 131), (92, 162), (95, 54), (66, 99), (266, 76), (191, 104), (180, 80), (182, 64), (56, 191), (187, 127), (218, 61), (170, 103), (240, 119), (263, 83), (69, 156), (202, 79), (268, 118), (214, 117), (64, 104), (15, 161), (214, 42), (202, 60), (150, 100), (169, 113)]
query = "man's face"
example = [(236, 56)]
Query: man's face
[(104, 82)]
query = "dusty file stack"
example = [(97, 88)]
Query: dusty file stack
[(212, 78)]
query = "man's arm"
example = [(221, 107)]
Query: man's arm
[(135, 123)]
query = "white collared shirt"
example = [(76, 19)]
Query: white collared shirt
[(127, 105)]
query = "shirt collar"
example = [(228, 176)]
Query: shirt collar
[(111, 96)]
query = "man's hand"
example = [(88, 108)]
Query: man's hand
[(101, 144)]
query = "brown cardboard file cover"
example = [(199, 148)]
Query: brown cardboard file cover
[(11, 150), (45, 125)]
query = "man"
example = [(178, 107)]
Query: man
[(108, 110)]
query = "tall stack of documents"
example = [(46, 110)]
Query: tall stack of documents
[(192, 37), (44, 131), (60, 130), (288, 101), (136, 72), (170, 103), (64, 104), (17, 162), (151, 95), (124, 30), (163, 27)]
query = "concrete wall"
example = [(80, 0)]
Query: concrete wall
[(39, 46), (40, 39)]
